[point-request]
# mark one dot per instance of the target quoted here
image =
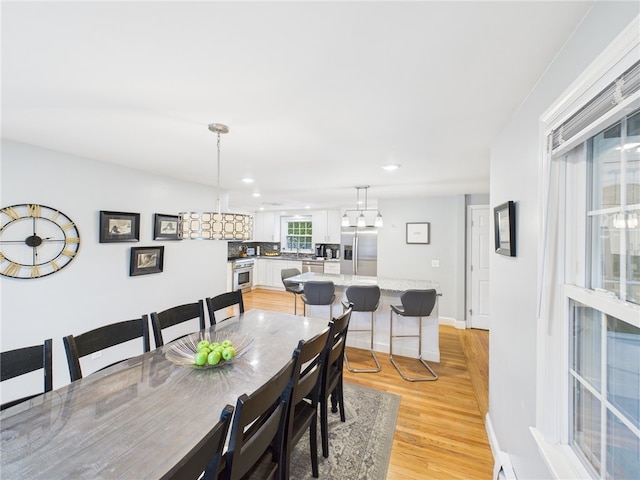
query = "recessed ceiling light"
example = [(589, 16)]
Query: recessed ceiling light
[(247, 180), (391, 167), (307, 206), (256, 194)]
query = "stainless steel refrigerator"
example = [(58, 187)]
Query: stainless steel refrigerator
[(359, 251)]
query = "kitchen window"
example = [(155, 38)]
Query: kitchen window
[(298, 234)]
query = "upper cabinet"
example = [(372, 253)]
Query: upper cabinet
[(326, 226), (266, 227)]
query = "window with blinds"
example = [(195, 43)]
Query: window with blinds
[(616, 93)]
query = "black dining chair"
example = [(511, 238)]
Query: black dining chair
[(101, 338), (319, 293), (256, 441), (305, 392), (174, 316), (223, 302), (331, 381), (205, 456), (363, 298), (290, 286), (415, 303), (20, 361)]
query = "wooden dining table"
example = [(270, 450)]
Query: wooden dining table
[(137, 419)]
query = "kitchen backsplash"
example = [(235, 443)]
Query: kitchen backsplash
[(239, 249)]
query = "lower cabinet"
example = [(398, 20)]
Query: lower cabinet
[(332, 268), (267, 272)]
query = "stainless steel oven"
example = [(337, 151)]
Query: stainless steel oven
[(243, 274)]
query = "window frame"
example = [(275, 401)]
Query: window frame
[(284, 232), (553, 395)]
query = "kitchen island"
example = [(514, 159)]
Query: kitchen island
[(390, 291)]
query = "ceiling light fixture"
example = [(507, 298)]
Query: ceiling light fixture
[(361, 220), (215, 225), (391, 167)]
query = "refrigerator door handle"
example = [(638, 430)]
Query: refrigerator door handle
[(355, 255)]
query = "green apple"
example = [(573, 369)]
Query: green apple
[(226, 343), (202, 344), (200, 358), (214, 358), (228, 353)]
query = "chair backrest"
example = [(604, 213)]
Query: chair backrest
[(319, 293), (100, 338), (223, 301), (310, 355), (365, 298), (206, 455), (336, 345), (258, 426), (418, 303), (21, 361), (288, 273), (175, 315), (306, 382)]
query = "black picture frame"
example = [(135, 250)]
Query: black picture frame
[(119, 227), (165, 227), (146, 260), (418, 233), (504, 221)]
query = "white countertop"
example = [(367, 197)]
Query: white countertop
[(385, 284)]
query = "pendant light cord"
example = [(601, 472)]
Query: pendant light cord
[(218, 187)]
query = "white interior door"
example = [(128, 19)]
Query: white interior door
[(478, 267)]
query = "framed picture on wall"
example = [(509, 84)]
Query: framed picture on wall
[(418, 232), (504, 220), (165, 227), (145, 260), (119, 227)]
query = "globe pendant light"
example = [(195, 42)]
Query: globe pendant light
[(215, 225)]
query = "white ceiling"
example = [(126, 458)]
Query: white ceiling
[(317, 95)]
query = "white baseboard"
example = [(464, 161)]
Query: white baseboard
[(502, 468)]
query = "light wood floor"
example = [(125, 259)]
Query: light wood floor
[(440, 432)]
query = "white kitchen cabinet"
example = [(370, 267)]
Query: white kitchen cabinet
[(332, 268), (263, 272), (229, 276), (334, 226), (267, 272), (266, 227), (326, 226)]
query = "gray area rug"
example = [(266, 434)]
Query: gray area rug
[(359, 448)]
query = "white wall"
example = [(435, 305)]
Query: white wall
[(397, 259), (96, 288), (515, 158)]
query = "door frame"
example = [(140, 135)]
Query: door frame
[(469, 239)]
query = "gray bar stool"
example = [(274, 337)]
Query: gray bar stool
[(293, 287), (319, 293), (363, 298), (415, 303)]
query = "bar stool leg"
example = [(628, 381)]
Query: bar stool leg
[(373, 354), (419, 336)]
